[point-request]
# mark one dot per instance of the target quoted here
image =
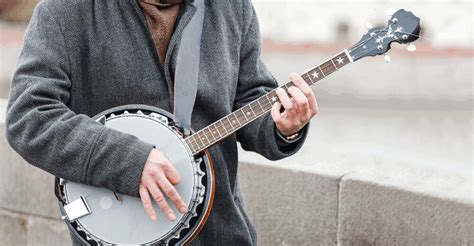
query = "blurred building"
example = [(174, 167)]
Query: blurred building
[(445, 23), (16, 10)]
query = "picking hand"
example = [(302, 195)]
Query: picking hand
[(158, 178)]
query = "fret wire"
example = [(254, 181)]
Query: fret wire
[(233, 120), (258, 101), (190, 143), (273, 95), (268, 99), (208, 135), (334, 64), (230, 123), (211, 134), (241, 118), (204, 138), (319, 67), (309, 76), (214, 130), (245, 115), (217, 128), (253, 105), (237, 117), (194, 141), (253, 112), (267, 102), (223, 126), (199, 138)]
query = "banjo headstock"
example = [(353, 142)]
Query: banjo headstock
[(403, 27)]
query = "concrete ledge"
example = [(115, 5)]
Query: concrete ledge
[(379, 202), (290, 207), (378, 214), (22, 229), (24, 188)]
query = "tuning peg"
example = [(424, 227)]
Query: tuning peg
[(390, 12), (368, 25), (387, 58), (411, 47)]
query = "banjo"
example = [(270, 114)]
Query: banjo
[(102, 217)]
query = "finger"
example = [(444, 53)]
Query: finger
[(307, 91), (284, 99), (172, 174), (313, 106), (297, 80), (145, 197), (276, 115), (172, 194), (161, 201), (300, 100)]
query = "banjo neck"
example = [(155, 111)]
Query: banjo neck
[(229, 124)]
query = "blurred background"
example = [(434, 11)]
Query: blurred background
[(405, 125)]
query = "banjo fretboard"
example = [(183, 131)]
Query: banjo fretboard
[(224, 127)]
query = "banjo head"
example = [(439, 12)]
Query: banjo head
[(121, 219)]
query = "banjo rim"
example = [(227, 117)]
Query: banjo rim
[(207, 203), (205, 155)]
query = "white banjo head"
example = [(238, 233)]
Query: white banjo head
[(120, 219)]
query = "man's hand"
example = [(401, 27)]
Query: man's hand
[(300, 106), (158, 179)]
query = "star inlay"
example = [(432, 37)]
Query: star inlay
[(274, 99), (340, 60), (315, 74)]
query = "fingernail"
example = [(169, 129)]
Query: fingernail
[(171, 217), (293, 76), (153, 217), (183, 210)]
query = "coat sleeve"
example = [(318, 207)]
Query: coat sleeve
[(254, 81), (46, 133)]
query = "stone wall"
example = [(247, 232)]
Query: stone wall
[(340, 203), (28, 209), (322, 207)]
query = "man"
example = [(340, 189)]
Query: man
[(83, 57)]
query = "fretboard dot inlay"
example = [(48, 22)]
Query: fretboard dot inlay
[(340, 60)]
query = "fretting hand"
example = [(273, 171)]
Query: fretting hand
[(299, 107)]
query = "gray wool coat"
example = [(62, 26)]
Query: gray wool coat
[(83, 57)]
